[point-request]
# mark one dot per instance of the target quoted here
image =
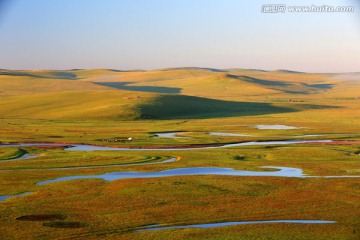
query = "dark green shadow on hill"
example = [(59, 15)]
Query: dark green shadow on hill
[(125, 86), (188, 107), (45, 74), (320, 86), (285, 87), (284, 71), (269, 83)]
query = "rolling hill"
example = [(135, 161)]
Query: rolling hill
[(178, 93)]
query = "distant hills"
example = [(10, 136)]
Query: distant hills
[(174, 93)]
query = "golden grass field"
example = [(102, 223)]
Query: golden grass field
[(106, 107)]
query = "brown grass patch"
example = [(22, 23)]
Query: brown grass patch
[(64, 224), (42, 217)]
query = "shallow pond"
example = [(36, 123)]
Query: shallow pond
[(275, 127), (169, 135)]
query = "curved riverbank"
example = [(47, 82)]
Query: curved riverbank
[(169, 160), (226, 224), (85, 147), (196, 171)]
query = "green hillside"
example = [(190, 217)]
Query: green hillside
[(179, 93)]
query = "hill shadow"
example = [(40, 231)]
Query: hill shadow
[(321, 86), (268, 83), (189, 107), (271, 84), (124, 86), (285, 87), (286, 71), (47, 74)]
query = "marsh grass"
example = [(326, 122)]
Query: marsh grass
[(11, 153)]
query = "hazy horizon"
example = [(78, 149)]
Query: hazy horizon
[(158, 34), (347, 75)]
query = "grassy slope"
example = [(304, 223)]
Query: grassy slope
[(127, 105), (85, 97), (25, 85), (106, 105)]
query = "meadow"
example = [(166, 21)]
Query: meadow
[(127, 109)]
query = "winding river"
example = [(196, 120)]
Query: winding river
[(279, 171), (84, 147), (226, 224), (170, 160), (194, 171), (282, 172)]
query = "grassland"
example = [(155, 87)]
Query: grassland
[(106, 107)]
